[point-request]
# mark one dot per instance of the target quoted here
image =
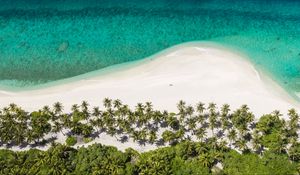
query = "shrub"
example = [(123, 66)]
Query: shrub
[(71, 141), (87, 139)]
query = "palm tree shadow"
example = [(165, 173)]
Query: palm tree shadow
[(43, 143), (119, 131), (252, 125), (35, 144), (152, 128), (69, 133), (95, 134), (247, 137), (260, 150), (102, 130), (139, 124), (10, 145), (142, 142), (220, 134), (174, 142), (218, 124), (164, 124), (160, 142), (23, 145), (124, 139), (205, 125), (52, 139)]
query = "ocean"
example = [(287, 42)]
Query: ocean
[(43, 41)]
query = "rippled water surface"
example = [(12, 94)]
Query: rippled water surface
[(48, 40)]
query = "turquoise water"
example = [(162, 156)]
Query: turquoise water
[(46, 40)]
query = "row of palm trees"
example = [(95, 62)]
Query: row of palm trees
[(144, 125)]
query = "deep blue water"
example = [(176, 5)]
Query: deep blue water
[(48, 40)]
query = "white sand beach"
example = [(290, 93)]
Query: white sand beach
[(191, 73)]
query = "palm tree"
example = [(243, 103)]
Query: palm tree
[(242, 145), (135, 136), (200, 134), (168, 136), (65, 121), (139, 112), (213, 142), (201, 147), (22, 117), (294, 152), (13, 107), (99, 123), (201, 119), (19, 134), (242, 119), (30, 136), (46, 110), (108, 120), (40, 125), (57, 127), (212, 107), (127, 126), (281, 143), (206, 159), (180, 134), (222, 145), (125, 111), (157, 117), (232, 135), (87, 130), (294, 117), (256, 141), (96, 112), (164, 115), (293, 124), (117, 103), (149, 106), (224, 116), (6, 111), (172, 122), (191, 122), (131, 117), (269, 123), (181, 107), (143, 134), (84, 114), (212, 122), (75, 108), (84, 106), (140, 108), (57, 107), (107, 103), (190, 111), (200, 108), (149, 111), (152, 137)]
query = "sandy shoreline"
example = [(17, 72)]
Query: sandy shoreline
[(192, 73)]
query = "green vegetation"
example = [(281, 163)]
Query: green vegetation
[(71, 141), (87, 139), (183, 159), (202, 140)]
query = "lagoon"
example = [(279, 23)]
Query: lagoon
[(46, 41)]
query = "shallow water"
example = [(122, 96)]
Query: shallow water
[(48, 40)]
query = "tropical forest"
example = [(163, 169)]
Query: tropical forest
[(200, 139)]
